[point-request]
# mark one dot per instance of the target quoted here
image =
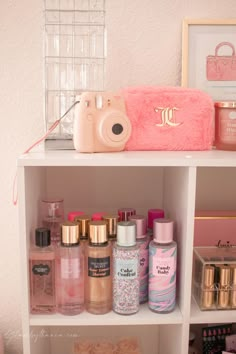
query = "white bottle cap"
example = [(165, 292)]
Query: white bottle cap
[(126, 233)]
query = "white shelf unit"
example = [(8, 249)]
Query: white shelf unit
[(176, 181)]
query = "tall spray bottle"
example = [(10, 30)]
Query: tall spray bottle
[(162, 267)]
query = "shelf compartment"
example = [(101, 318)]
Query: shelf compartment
[(221, 316), (143, 317), (159, 339), (163, 339)]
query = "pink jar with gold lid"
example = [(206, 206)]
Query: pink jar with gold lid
[(225, 125)]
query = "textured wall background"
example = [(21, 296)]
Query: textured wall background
[(144, 47)]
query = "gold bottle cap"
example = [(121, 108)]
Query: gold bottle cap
[(233, 270), (98, 232), (224, 276), (83, 221), (111, 223), (209, 272), (69, 233)]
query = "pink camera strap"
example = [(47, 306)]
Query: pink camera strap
[(37, 142)]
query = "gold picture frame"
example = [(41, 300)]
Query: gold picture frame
[(206, 43)]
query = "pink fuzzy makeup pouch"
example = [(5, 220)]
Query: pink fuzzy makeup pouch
[(169, 118)]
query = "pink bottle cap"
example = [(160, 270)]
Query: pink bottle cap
[(125, 213), (72, 214), (141, 225), (154, 214), (163, 230), (98, 216)]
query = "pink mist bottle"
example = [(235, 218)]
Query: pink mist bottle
[(162, 267), (42, 274), (126, 279), (70, 271), (143, 242)]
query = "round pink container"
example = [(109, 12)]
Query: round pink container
[(225, 125)]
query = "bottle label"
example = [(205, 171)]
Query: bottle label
[(126, 268), (126, 284), (42, 285), (70, 268), (163, 267), (162, 278), (41, 269), (227, 127), (99, 267)]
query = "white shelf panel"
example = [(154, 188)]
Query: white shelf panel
[(143, 317), (211, 158), (198, 316)]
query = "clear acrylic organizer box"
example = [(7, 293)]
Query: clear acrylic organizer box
[(75, 47)]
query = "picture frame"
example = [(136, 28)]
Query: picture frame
[(209, 56)]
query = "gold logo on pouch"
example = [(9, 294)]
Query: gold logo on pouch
[(167, 116)]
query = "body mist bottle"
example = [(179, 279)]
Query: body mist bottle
[(52, 215), (98, 280), (162, 267), (126, 280), (42, 274), (70, 271)]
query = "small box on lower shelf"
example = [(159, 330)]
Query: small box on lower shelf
[(214, 278), (124, 345)]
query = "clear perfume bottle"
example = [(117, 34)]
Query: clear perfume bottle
[(98, 278), (162, 267), (126, 281), (42, 274), (52, 215), (70, 271)]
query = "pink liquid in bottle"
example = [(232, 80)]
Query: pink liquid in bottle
[(42, 274)]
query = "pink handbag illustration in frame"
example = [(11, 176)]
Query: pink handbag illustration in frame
[(221, 67)]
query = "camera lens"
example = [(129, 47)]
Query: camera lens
[(117, 129)]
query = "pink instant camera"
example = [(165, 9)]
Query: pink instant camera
[(101, 123)]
